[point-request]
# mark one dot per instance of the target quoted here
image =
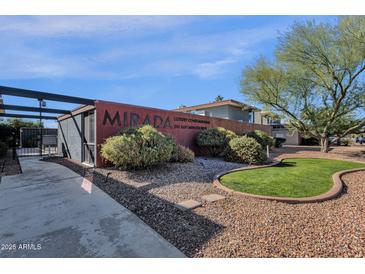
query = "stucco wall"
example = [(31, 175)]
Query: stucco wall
[(69, 138), (260, 119), (292, 137)]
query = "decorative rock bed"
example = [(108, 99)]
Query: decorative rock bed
[(237, 226)]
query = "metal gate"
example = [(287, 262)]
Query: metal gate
[(36, 141)]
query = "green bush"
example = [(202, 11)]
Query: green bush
[(262, 138), (244, 150), (3, 149), (278, 142), (214, 140), (181, 154), (138, 148), (345, 142)]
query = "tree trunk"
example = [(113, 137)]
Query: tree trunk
[(325, 144)]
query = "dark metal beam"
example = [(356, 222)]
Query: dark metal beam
[(44, 95), (12, 115), (34, 109)]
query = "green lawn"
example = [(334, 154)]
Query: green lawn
[(292, 178)]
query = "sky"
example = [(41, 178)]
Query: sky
[(154, 61)]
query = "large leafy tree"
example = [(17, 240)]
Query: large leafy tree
[(316, 80)]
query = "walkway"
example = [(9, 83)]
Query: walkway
[(50, 211)]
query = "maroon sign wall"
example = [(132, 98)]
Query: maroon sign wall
[(111, 117)]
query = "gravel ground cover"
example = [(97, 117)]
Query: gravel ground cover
[(239, 226), (151, 195), (258, 228), (352, 153), (8, 165)]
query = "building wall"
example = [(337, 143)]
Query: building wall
[(111, 117), (292, 137), (259, 119), (238, 114), (69, 137), (227, 112), (221, 112)]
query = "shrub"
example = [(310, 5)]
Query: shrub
[(278, 142), (262, 138), (181, 154), (3, 149), (214, 140), (345, 142), (310, 141), (245, 150), (137, 148)]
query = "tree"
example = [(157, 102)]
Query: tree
[(11, 127), (219, 98), (316, 79), (17, 123)]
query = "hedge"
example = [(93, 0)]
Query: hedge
[(262, 138), (214, 140), (137, 148), (143, 147), (244, 150)]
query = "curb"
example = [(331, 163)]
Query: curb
[(334, 192)]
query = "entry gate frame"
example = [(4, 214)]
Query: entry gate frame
[(40, 96)]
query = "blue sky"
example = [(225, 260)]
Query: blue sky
[(156, 61)]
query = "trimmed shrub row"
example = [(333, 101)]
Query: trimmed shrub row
[(243, 149), (214, 140), (143, 147)]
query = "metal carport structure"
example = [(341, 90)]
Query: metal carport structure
[(37, 112)]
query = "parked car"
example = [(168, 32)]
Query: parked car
[(360, 140)]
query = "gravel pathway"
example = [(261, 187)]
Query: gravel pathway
[(238, 226)]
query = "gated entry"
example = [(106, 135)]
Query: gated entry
[(37, 141)]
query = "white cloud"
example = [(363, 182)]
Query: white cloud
[(177, 53), (88, 25), (212, 69)]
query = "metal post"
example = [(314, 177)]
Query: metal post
[(268, 151), (40, 125), (14, 146)]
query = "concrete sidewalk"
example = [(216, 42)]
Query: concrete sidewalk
[(50, 211)]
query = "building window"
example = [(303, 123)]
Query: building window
[(89, 138)]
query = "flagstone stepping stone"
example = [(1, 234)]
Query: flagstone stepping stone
[(188, 204), (212, 198)]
